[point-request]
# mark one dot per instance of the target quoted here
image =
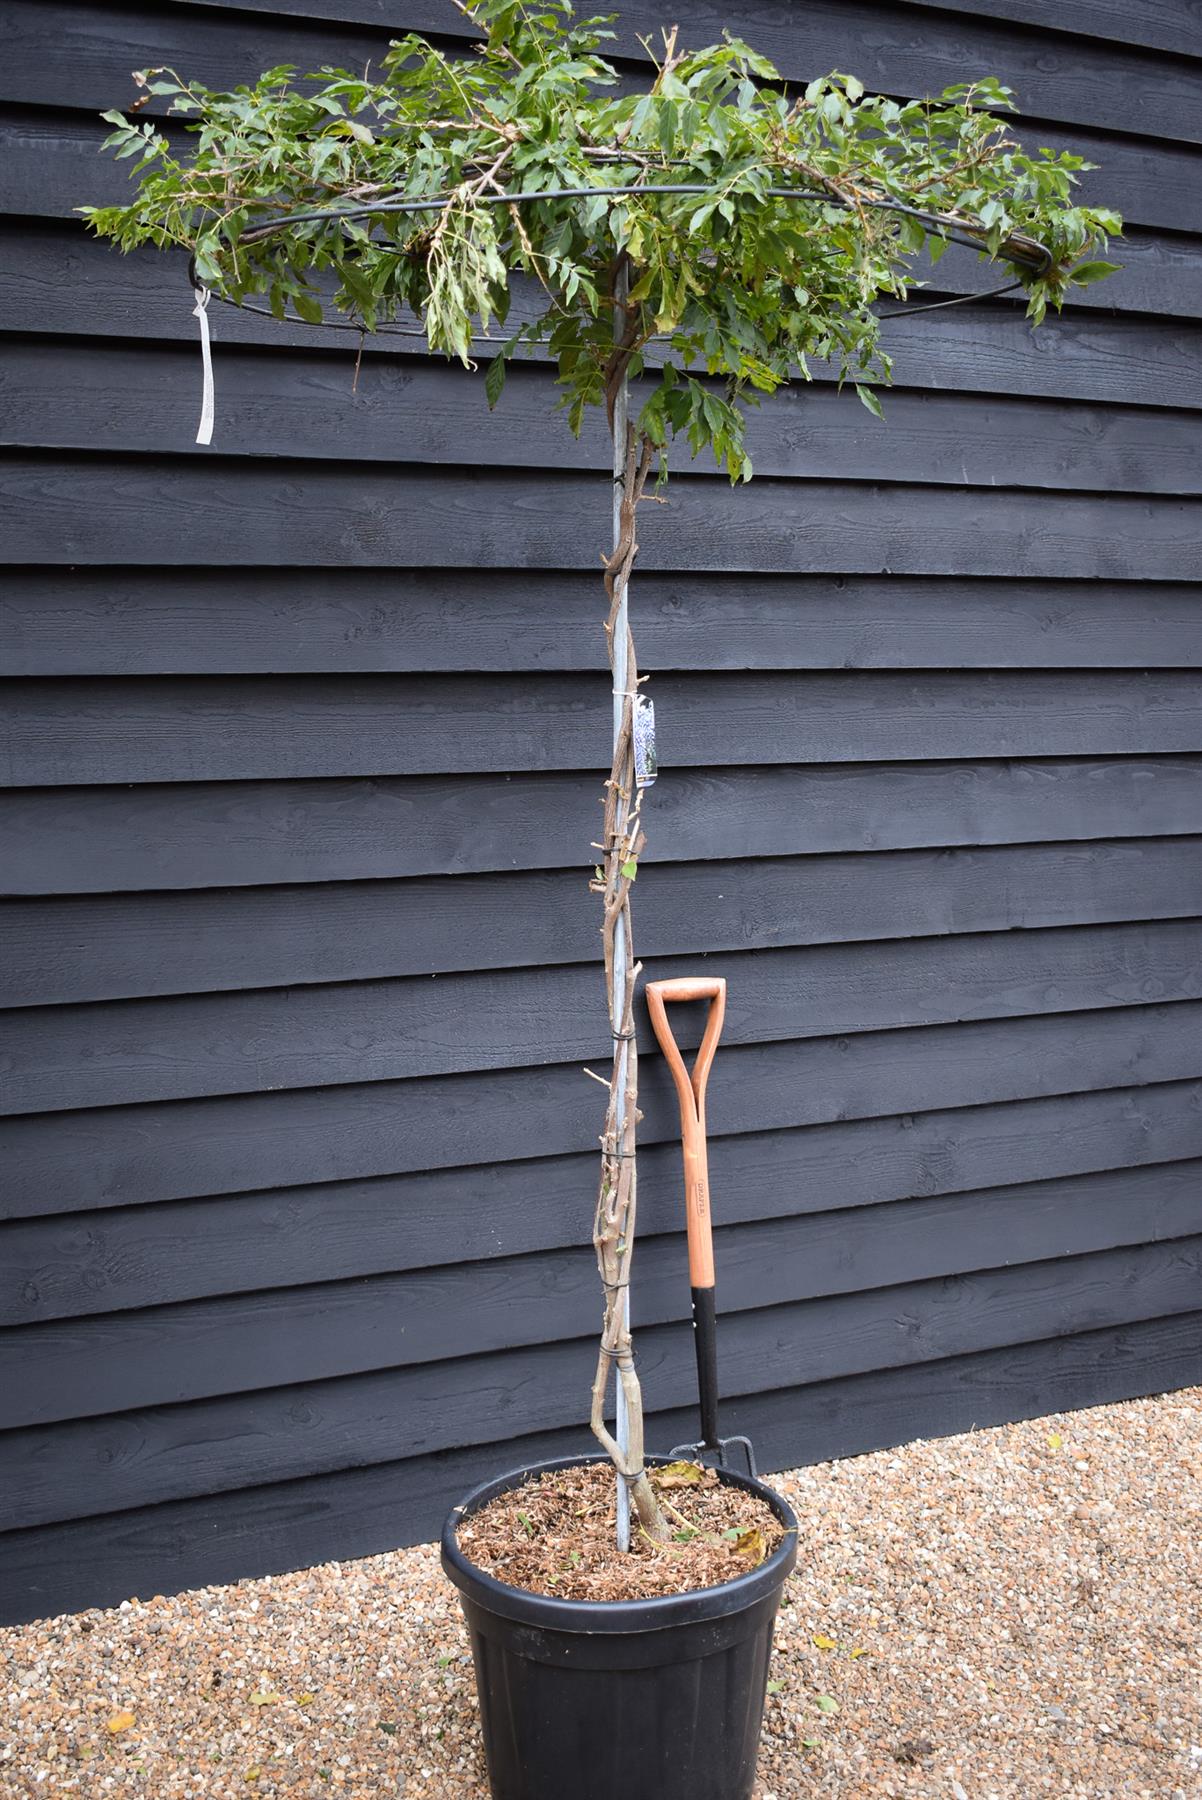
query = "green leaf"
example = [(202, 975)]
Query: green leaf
[(1085, 274), (308, 307), (868, 398), (826, 1703), (494, 381), (630, 869)]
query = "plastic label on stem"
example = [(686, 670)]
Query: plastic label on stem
[(646, 764)]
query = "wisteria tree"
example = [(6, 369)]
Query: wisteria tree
[(713, 233)]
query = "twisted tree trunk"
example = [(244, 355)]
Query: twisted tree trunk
[(621, 845)]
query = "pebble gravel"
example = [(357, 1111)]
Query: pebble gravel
[(1006, 1614)]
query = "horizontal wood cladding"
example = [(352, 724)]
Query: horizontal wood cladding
[(60, 1162), (121, 621), (166, 1452), (303, 737), (1159, 274), (117, 1258), (1173, 25), (188, 729), (163, 1049), (87, 509), (57, 280), (75, 397), (124, 947), (72, 1368), (1169, 25), (86, 61), (70, 840), (358, 1512)]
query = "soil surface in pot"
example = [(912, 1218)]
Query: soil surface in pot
[(555, 1534)]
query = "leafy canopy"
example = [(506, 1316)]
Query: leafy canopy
[(727, 281)]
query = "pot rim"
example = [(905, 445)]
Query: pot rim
[(657, 1612)]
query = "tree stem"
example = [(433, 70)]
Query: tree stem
[(622, 843)]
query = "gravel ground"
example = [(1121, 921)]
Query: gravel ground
[(1014, 1612)]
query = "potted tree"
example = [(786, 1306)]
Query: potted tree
[(704, 236)]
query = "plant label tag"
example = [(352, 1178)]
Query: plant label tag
[(646, 766)]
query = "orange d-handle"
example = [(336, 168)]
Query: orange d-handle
[(690, 1090)]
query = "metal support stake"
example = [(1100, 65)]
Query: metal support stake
[(621, 957)]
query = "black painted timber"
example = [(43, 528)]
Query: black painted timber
[(301, 739)]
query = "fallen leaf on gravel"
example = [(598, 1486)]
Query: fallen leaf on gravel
[(266, 1698), (253, 1773), (304, 1700), (821, 1642), (811, 1743), (387, 1727), (120, 1721), (774, 1687), (1054, 1440), (827, 1703), (858, 1651)]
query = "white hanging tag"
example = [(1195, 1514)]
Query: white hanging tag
[(204, 434), (646, 767)]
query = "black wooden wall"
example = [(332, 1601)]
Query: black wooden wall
[(303, 737)]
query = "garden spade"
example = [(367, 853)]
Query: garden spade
[(690, 1091)]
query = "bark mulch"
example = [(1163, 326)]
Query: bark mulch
[(1003, 1615), (556, 1535)]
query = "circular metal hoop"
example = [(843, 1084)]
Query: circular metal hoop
[(1015, 249)]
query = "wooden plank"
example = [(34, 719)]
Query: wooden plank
[(51, 162), (120, 1258), (74, 1369), (73, 397), (191, 1543), (132, 1155), (193, 728), (85, 62), (1158, 273), (56, 280), (126, 1052), (1172, 25), (1128, 170), (71, 950), (210, 835), (130, 622), (217, 511), (168, 1452)]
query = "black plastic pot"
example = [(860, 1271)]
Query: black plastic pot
[(620, 1700)]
